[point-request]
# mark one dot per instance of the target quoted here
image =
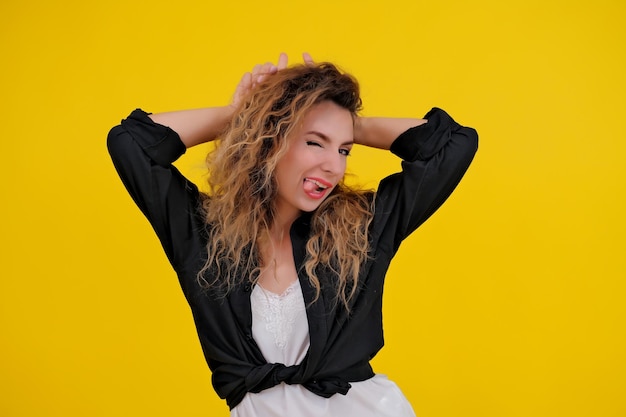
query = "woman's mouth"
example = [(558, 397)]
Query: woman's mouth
[(316, 187)]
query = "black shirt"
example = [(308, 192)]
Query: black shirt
[(435, 157)]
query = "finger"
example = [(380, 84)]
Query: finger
[(256, 76), (308, 60), (244, 83), (264, 70), (246, 80), (269, 68), (262, 73), (242, 88), (256, 70), (282, 61)]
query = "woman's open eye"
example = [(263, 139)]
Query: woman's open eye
[(344, 152)]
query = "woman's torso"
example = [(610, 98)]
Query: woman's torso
[(280, 329)]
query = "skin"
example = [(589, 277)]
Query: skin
[(316, 158)]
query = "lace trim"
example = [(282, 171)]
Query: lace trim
[(279, 312)]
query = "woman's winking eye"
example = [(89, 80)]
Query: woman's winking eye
[(342, 151)]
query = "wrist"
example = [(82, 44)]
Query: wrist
[(359, 130)]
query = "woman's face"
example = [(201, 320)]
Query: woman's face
[(315, 160)]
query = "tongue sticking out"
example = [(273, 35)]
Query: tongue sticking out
[(310, 186)]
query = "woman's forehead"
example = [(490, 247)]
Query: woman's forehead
[(329, 121)]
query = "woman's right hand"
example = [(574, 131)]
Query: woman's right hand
[(251, 79), (203, 125)]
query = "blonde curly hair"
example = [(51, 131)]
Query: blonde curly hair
[(240, 205)]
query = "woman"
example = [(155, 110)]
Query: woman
[(281, 263)]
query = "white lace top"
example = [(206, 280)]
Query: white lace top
[(280, 329)]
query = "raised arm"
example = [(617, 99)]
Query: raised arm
[(380, 132), (196, 126), (204, 125)]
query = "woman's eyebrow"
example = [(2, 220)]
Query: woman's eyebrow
[(326, 138)]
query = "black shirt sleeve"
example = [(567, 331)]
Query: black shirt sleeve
[(143, 152), (435, 157)]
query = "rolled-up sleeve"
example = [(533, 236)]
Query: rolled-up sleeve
[(435, 157)]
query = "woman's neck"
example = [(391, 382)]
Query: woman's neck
[(278, 271), (281, 225)]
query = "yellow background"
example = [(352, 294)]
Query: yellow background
[(508, 302)]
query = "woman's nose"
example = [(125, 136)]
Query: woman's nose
[(334, 164)]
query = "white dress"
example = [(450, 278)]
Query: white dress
[(280, 329)]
